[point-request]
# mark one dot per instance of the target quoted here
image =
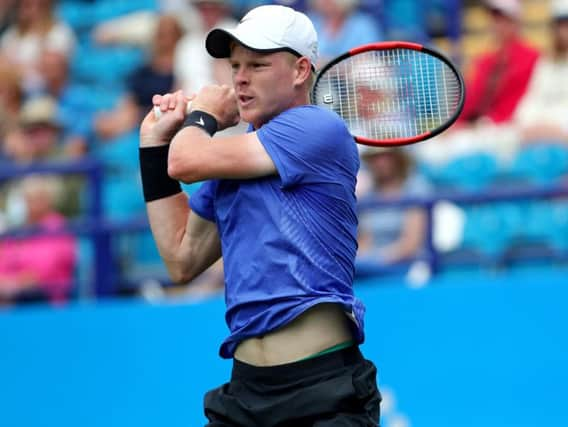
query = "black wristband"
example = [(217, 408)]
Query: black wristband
[(202, 120), (156, 183)]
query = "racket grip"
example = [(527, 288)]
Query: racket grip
[(158, 112)]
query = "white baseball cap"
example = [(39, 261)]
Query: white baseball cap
[(269, 28)]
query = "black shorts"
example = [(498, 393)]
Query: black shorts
[(336, 389)]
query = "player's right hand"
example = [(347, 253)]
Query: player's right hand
[(160, 131), (219, 101)]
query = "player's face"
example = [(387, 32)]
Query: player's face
[(264, 83)]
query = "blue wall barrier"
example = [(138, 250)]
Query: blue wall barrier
[(467, 350)]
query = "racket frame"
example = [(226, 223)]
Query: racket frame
[(399, 45)]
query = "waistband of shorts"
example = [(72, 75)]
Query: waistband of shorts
[(299, 369)]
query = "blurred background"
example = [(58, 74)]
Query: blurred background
[(463, 243)]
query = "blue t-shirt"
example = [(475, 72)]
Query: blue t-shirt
[(288, 240)]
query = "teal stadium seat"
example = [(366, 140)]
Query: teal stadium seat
[(105, 66), (540, 163), (547, 222), (77, 14), (83, 15), (472, 172), (490, 229), (122, 194), (104, 10), (83, 268)]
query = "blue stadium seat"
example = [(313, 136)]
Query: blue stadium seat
[(540, 163), (104, 10), (77, 14), (122, 194), (105, 66), (490, 229), (120, 153), (96, 97), (84, 265), (547, 222), (472, 172)]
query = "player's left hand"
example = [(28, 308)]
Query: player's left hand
[(160, 131)]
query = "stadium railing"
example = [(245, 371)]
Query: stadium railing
[(464, 200), (91, 224), (104, 281)]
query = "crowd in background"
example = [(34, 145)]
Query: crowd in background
[(77, 76)]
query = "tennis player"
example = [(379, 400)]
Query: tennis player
[(279, 204)]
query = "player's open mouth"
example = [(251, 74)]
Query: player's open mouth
[(245, 100)]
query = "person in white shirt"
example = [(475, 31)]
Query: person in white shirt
[(36, 30), (541, 116)]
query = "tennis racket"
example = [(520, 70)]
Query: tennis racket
[(391, 93)]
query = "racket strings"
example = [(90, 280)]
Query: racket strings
[(390, 94)]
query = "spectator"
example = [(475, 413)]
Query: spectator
[(542, 113), (36, 29), (38, 137), (36, 267), (390, 235), (74, 118), (194, 68), (499, 77), (495, 84), (341, 26), (155, 76)]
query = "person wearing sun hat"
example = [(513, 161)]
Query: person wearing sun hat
[(39, 137), (279, 204)]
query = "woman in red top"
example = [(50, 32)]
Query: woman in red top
[(499, 78)]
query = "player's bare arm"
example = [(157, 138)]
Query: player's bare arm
[(187, 243), (196, 156)]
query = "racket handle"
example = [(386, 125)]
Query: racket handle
[(158, 112)]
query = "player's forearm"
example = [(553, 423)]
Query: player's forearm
[(186, 160), (188, 244), (168, 218)]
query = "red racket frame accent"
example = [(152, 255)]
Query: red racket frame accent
[(411, 46), (384, 46)]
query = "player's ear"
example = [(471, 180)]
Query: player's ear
[(303, 70)]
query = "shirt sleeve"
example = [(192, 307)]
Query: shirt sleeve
[(309, 144), (202, 202)]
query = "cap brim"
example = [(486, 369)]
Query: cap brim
[(218, 44)]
